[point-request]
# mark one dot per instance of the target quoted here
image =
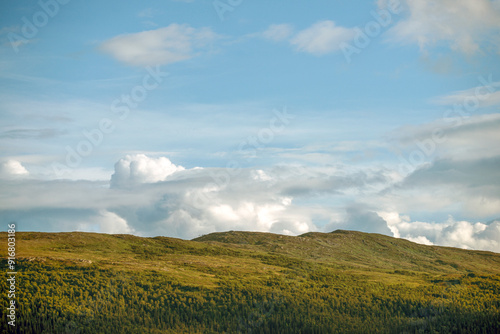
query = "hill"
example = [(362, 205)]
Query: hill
[(369, 251), (343, 281)]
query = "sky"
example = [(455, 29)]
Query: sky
[(185, 117)]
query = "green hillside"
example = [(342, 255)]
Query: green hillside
[(251, 282)]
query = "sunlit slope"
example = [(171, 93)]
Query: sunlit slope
[(252, 251), (351, 249)]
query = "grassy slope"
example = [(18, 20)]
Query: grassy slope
[(254, 254), (364, 251)]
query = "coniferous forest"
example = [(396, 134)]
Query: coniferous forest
[(246, 282)]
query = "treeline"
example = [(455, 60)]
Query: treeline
[(60, 299)]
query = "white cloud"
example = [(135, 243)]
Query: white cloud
[(452, 233), (278, 32), (159, 47), (101, 221), (468, 235), (199, 201), (12, 169), (421, 240), (109, 222), (463, 25), (139, 168), (75, 174), (321, 38)]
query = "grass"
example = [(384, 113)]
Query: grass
[(253, 254)]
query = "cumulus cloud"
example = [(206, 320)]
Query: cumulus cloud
[(108, 222), (421, 240), (12, 169), (452, 233), (139, 168), (159, 47), (201, 201), (321, 38), (361, 218), (463, 25)]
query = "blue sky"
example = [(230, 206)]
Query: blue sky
[(181, 118)]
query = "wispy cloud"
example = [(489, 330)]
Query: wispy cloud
[(321, 38), (462, 25), (31, 133), (278, 32), (147, 13), (161, 46), (458, 137), (485, 95)]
